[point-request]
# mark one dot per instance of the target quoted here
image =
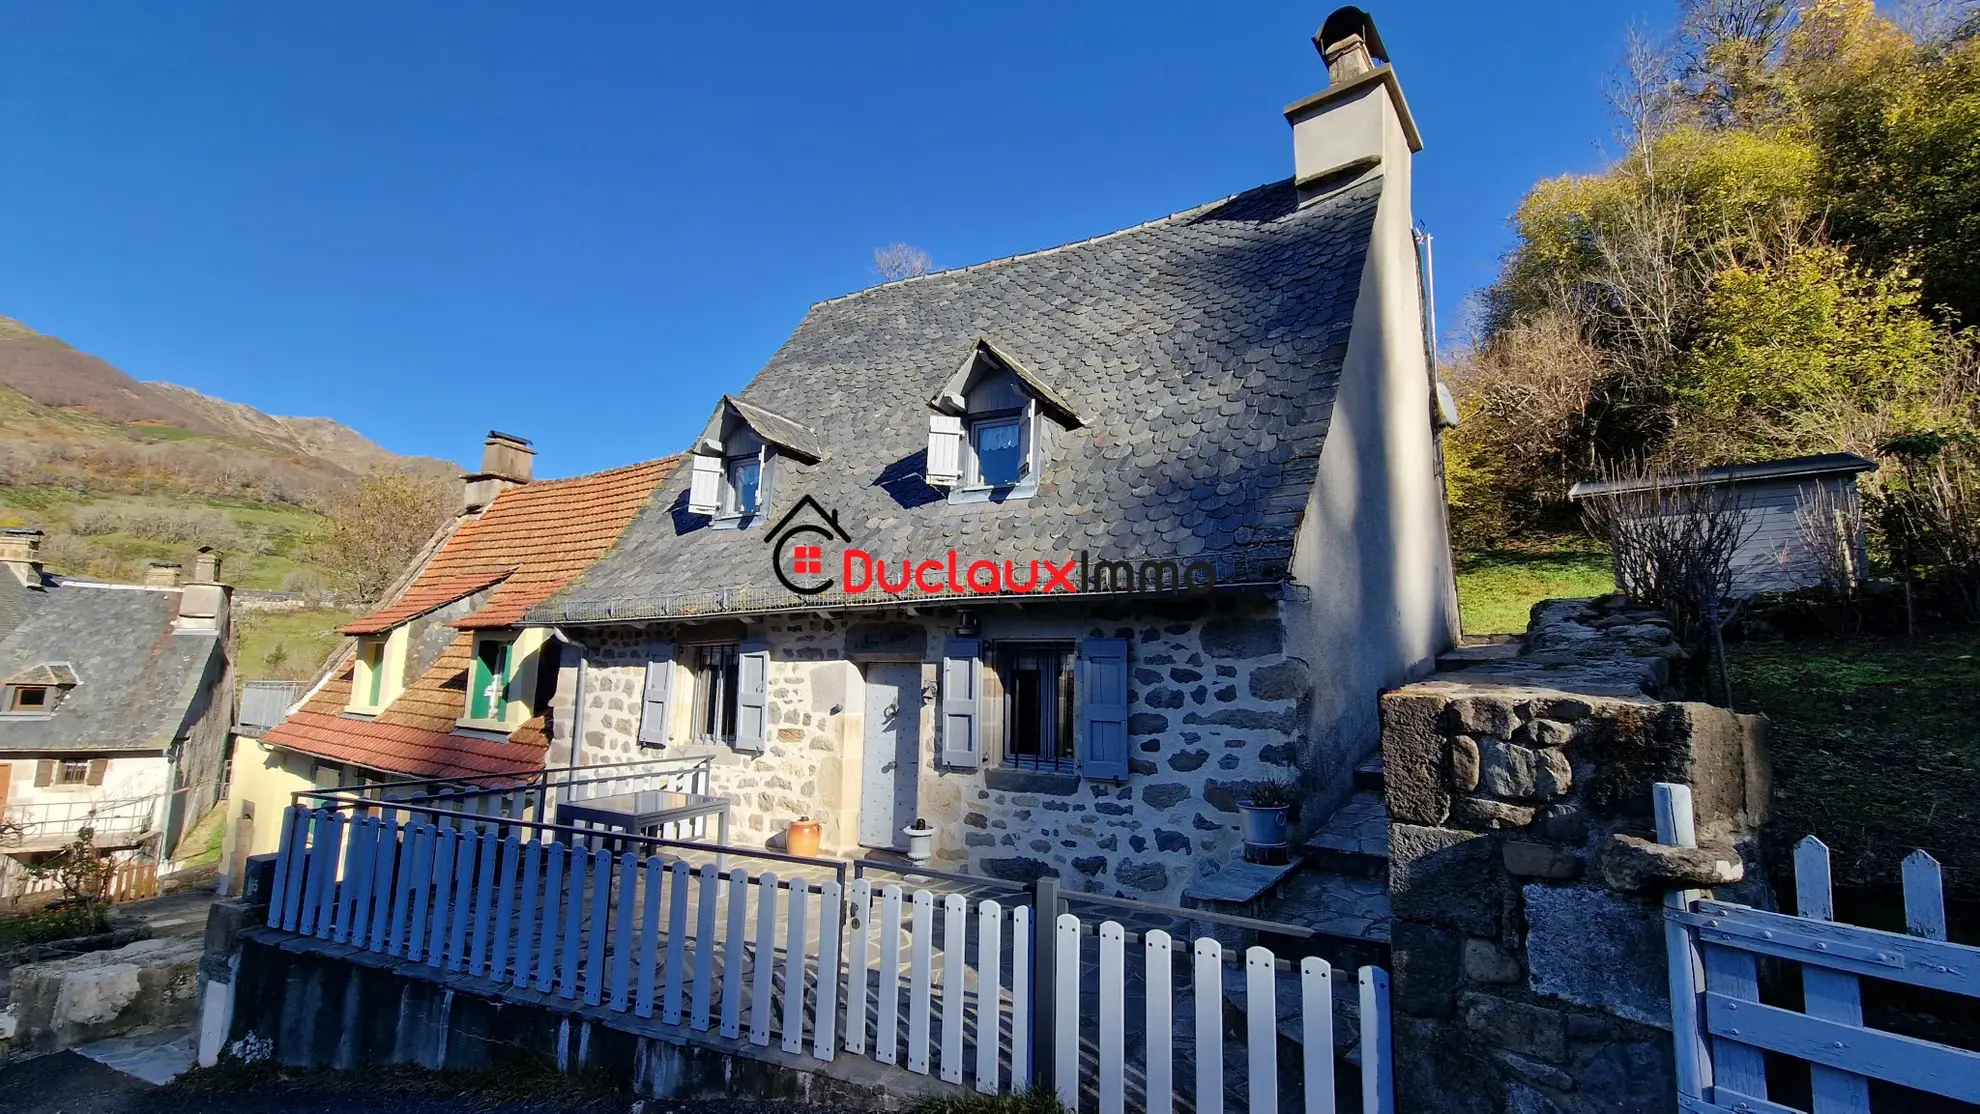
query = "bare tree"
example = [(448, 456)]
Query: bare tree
[(1728, 53), (1676, 541), (899, 261), (370, 532)]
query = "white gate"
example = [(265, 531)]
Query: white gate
[(1723, 1030)]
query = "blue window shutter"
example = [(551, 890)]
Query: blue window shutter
[(752, 696), (659, 687), (962, 684), (1103, 708)]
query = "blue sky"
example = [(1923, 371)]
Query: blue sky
[(582, 223)]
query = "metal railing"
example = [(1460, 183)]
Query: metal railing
[(44, 820)]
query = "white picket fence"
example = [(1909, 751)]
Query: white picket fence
[(933, 984), (1723, 1031)]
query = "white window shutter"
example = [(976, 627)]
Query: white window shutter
[(962, 678), (945, 434), (659, 687), (705, 485), (752, 696)]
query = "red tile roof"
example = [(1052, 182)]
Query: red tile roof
[(423, 596), (529, 542)]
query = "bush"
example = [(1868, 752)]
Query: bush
[(57, 922), (1023, 1102), (1929, 512)]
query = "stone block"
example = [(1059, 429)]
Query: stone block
[(1464, 763), (1544, 733), (1446, 878), (1591, 948), (1552, 775), (1424, 969), (1488, 714), (1633, 865), (1142, 876), (1477, 812), (1414, 757), (1506, 769), (1486, 962), (1243, 637), (1540, 860), (1536, 1031), (1288, 680), (1436, 1069), (146, 985)]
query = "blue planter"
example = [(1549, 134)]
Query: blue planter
[(1263, 825)]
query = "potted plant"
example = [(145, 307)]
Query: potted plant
[(921, 840), (1264, 812)]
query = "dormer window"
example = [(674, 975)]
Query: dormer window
[(738, 459), (990, 430), (378, 673), (36, 691)]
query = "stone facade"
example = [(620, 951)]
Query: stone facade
[(1215, 704), (1529, 965)]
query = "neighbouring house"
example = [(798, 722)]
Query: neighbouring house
[(1066, 551), (441, 681), (1801, 519), (113, 707)]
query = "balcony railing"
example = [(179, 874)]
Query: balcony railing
[(45, 825)]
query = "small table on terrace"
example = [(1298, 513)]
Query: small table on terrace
[(645, 811)]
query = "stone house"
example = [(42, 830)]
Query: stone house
[(114, 703), (1063, 551), (441, 681)]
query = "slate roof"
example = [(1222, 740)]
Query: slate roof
[(139, 683), (529, 542), (1204, 348)]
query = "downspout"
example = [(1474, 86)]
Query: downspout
[(1426, 286)]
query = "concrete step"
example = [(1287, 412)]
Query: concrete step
[(1240, 888), (1355, 839), (1369, 775)]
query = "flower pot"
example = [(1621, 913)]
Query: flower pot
[(801, 837), (1263, 827), (921, 841)]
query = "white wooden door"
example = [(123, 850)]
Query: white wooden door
[(891, 764)]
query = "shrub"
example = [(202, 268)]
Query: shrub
[(1023, 1102)]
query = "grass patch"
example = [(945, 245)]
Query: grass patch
[(285, 645), (201, 843), (1875, 752), (45, 925), (1498, 588)]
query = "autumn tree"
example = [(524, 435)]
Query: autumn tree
[(370, 532)]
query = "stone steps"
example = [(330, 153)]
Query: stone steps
[(1355, 839), (1370, 774)]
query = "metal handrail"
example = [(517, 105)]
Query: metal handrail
[(543, 778), (1173, 912), (861, 866)]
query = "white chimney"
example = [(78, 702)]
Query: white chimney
[(20, 551), (1359, 123), (506, 461), (204, 602)]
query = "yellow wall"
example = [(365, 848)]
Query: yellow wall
[(265, 778)]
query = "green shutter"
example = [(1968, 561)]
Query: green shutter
[(488, 687), (374, 657)]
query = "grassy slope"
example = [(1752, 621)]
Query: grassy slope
[(285, 645), (1497, 588), (1875, 751)]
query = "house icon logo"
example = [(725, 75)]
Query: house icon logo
[(798, 552)]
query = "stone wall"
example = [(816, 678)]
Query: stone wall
[(1215, 704), (1529, 968)]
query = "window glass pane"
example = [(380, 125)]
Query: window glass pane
[(30, 699), (1038, 707), (744, 477), (75, 773), (715, 692), (997, 456), (490, 680)]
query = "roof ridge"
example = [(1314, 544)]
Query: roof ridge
[(673, 458), (1000, 260)]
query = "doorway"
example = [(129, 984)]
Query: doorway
[(891, 763)]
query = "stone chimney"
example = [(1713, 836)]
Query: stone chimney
[(20, 551), (506, 461), (204, 602), (162, 574), (1359, 123)]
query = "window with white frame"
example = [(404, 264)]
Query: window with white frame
[(744, 476), (998, 450), (731, 487), (717, 681)]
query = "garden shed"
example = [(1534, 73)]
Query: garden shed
[(1804, 520)]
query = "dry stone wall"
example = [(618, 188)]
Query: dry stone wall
[(1215, 705), (1526, 884)]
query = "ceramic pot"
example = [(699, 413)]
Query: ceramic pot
[(801, 837), (1263, 825)]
